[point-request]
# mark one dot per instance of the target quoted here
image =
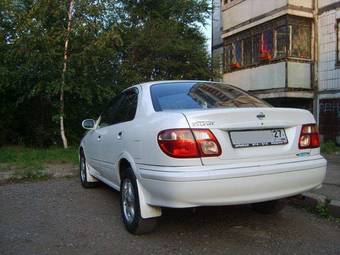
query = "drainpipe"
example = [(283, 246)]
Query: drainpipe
[(316, 59)]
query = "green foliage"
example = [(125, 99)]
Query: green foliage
[(113, 44), (163, 41), (31, 160), (329, 147), (29, 174), (320, 209)]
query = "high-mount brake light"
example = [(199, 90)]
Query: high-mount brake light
[(188, 143), (309, 137)]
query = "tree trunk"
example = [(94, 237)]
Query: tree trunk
[(62, 86)]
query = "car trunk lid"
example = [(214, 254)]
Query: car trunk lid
[(245, 134)]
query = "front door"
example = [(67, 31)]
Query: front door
[(92, 149)]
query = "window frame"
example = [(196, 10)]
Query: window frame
[(270, 55), (158, 108), (337, 59), (286, 42), (257, 34), (292, 42), (122, 95)]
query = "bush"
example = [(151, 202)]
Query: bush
[(329, 147)]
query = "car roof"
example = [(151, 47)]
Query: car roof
[(148, 84)]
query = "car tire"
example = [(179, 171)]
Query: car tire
[(130, 209), (83, 173), (269, 207)]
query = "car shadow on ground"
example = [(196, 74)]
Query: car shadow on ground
[(213, 217)]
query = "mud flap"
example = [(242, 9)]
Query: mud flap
[(147, 211), (89, 177)]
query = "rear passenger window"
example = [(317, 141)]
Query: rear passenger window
[(127, 109), (123, 108), (108, 116)]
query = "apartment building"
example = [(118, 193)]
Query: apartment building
[(285, 52), (328, 95)]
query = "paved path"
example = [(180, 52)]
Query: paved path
[(331, 185), (60, 217)]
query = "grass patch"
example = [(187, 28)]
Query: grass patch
[(329, 147), (29, 174), (29, 162), (320, 210)]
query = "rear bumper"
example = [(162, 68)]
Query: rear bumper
[(180, 187)]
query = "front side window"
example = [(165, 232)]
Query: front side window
[(200, 95)]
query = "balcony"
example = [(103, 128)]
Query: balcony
[(238, 15)]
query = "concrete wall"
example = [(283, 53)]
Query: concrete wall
[(243, 11), (249, 9), (272, 76), (302, 3), (323, 3), (262, 77), (216, 23), (299, 75)]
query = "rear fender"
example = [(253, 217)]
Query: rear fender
[(147, 211)]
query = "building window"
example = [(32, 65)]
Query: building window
[(236, 55), (247, 50), (300, 41), (227, 1), (266, 49), (256, 49), (228, 49), (285, 37), (233, 56), (338, 41), (281, 36)]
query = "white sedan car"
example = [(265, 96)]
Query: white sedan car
[(186, 144)]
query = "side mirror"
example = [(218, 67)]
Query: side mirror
[(88, 123)]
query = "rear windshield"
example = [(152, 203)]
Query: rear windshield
[(200, 95)]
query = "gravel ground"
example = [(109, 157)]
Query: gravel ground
[(60, 217)]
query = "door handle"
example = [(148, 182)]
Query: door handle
[(119, 136)]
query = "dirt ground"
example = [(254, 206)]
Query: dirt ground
[(58, 216)]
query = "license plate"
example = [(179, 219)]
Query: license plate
[(255, 138)]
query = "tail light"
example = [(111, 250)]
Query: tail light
[(188, 143), (309, 137)]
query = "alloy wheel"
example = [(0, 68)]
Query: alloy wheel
[(128, 199)]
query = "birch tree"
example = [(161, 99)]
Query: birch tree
[(62, 87)]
